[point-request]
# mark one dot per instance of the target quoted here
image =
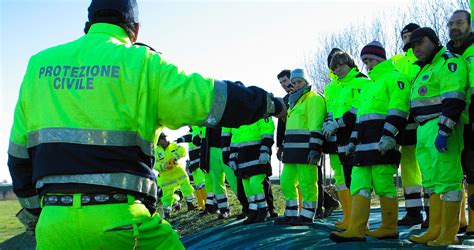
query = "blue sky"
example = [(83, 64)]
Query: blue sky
[(250, 41)]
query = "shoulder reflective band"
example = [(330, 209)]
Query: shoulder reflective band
[(223, 134), (425, 102), (218, 105), (353, 111), (454, 95), (89, 137), (117, 180), (411, 126), (18, 151), (29, 202)]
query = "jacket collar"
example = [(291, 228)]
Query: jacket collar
[(460, 50), (111, 30)]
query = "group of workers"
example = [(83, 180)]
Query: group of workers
[(84, 176)]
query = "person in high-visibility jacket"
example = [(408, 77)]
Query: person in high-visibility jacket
[(462, 39), (302, 150), (250, 157), (219, 171), (437, 102), (350, 84), (173, 176), (192, 167), (381, 119), (410, 170), (84, 168)]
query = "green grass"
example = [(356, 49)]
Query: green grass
[(10, 225)]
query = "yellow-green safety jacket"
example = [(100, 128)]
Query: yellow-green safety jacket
[(304, 127), (345, 110), (169, 175), (247, 143), (331, 92), (466, 50), (439, 91), (383, 112), (89, 113), (406, 64)]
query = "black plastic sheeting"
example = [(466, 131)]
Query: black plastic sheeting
[(266, 235)]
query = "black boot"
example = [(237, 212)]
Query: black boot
[(303, 221), (167, 215), (330, 204), (262, 215), (243, 214), (273, 214), (411, 219), (285, 220), (191, 206), (426, 223), (251, 217), (224, 213), (177, 206)]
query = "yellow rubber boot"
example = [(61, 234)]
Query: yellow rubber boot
[(360, 215), (300, 199), (462, 214), (345, 199), (201, 198), (389, 228), (470, 227), (434, 228), (449, 224)]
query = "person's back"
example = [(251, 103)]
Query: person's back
[(85, 125)]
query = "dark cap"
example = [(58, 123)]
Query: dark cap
[(419, 34), (162, 136), (331, 54), (128, 9), (409, 28)]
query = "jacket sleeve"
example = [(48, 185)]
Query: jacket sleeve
[(185, 138), (178, 151), (316, 114), (19, 161), (453, 86), (399, 105), (267, 129), (205, 101)]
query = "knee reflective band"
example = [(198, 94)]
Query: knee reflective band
[(413, 198), (365, 193), (260, 200), (222, 201), (309, 209), (452, 196), (291, 208), (210, 199), (252, 203)]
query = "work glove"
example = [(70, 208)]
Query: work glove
[(279, 153), (233, 165), (386, 144), (264, 158), (441, 143), (313, 157), (197, 140), (350, 149), (329, 128), (28, 219), (179, 140)]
